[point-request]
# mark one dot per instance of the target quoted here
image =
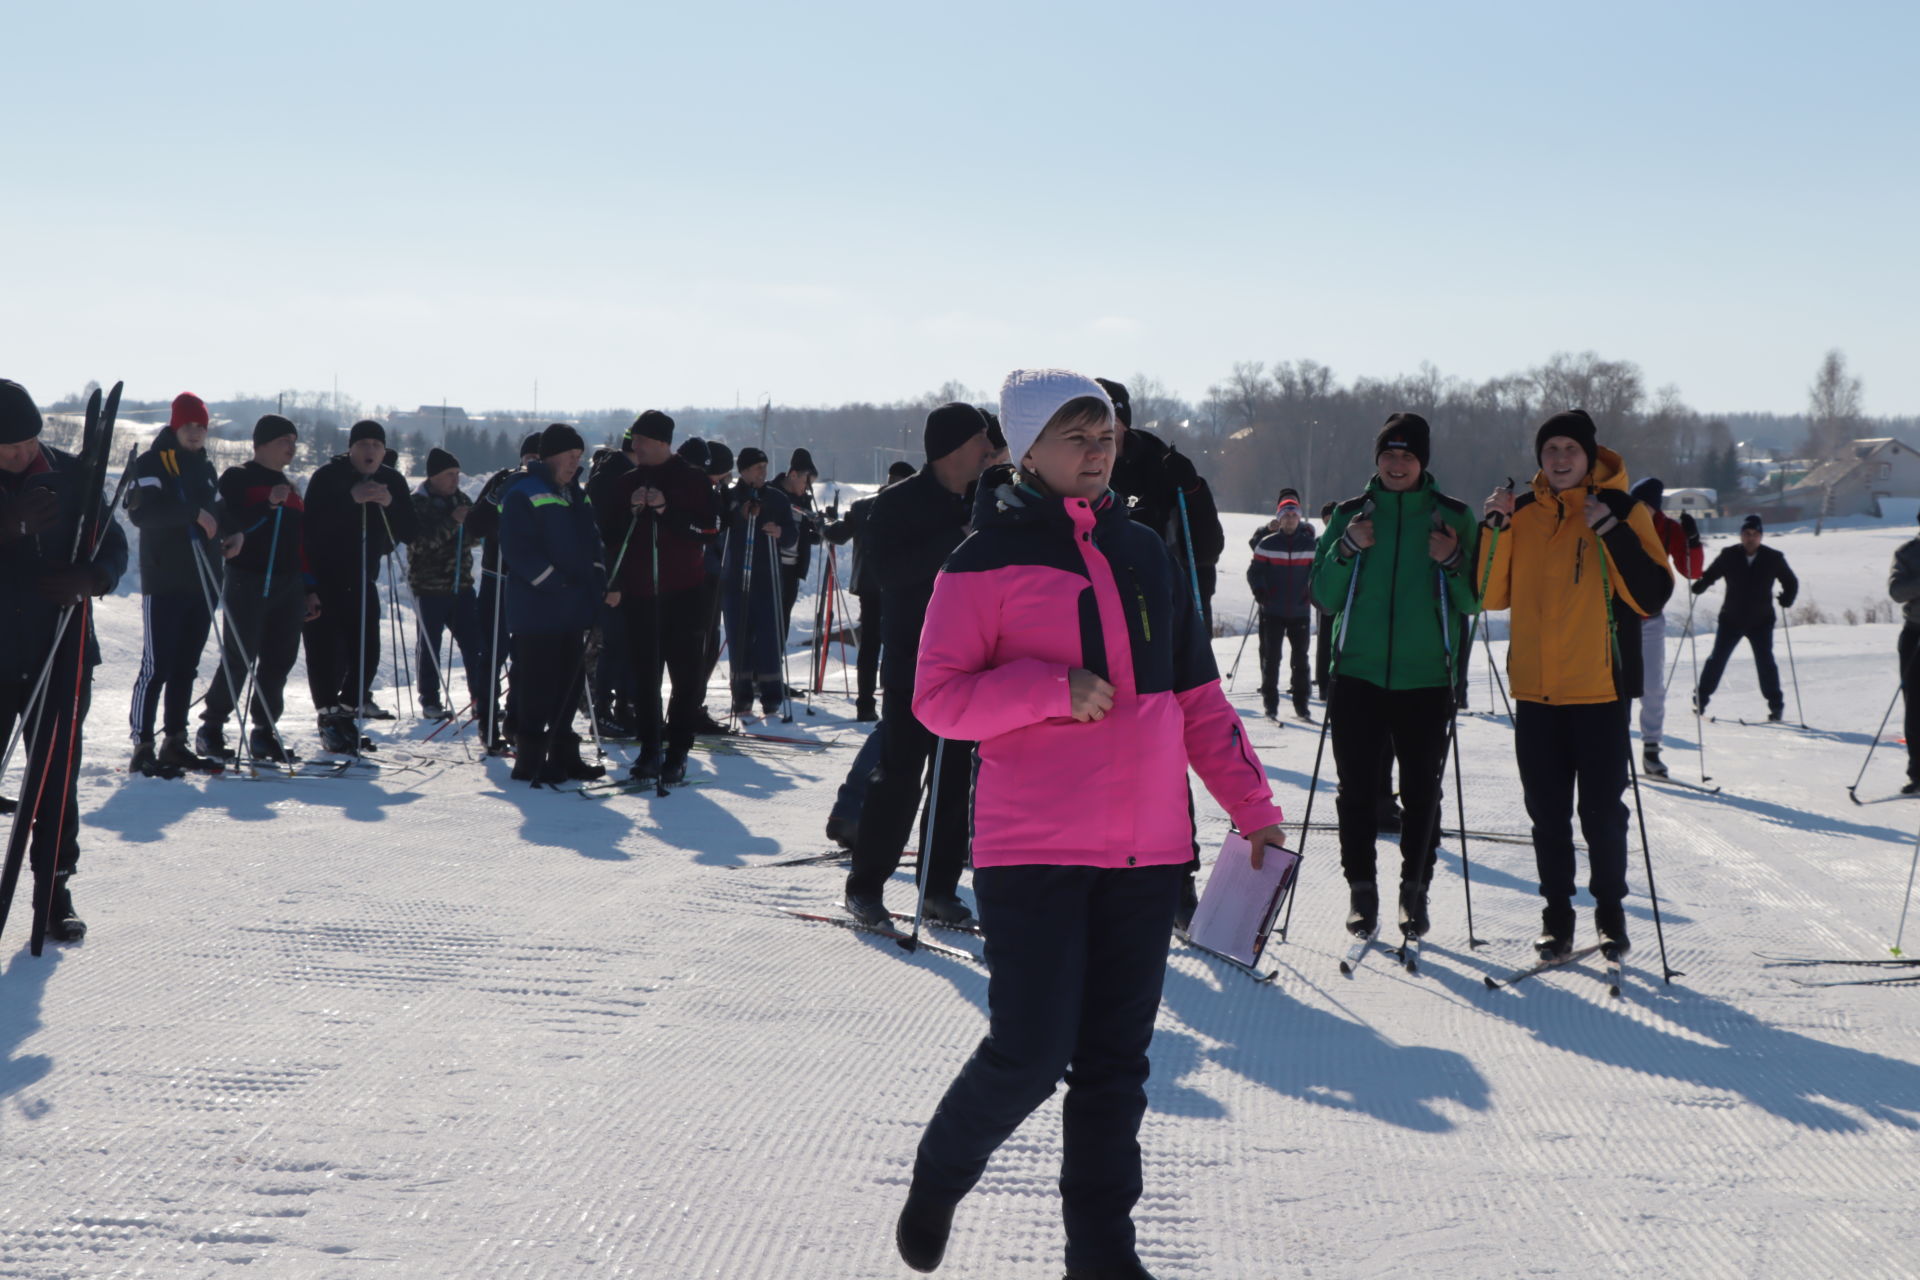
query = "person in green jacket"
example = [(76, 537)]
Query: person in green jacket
[(1394, 568)]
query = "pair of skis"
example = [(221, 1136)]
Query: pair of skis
[(905, 941), (1407, 954), (1612, 968), (1879, 973)]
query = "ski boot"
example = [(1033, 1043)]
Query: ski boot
[(144, 763), (946, 908), (922, 1231), (1301, 710), (1650, 762), (865, 712), (1610, 922), (566, 754), (1363, 914), (674, 772), (371, 710), (1700, 701), (1120, 1271), (645, 767), (1911, 789), (1414, 921), (1776, 714), (1556, 932), (174, 753), (63, 923), (1270, 708), (263, 745), (210, 740), (870, 910), (706, 725), (338, 733), (434, 711), (529, 758)]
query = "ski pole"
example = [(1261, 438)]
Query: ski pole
[(273, 549), (786, 690), (1245, 631), (1668, 972), (1193, 561), (1342, 624), (921, 872), (402, 664), (1900, 931), (1453, 746), (1897, 691), (1674, 665), (360, 684), (1699, 726), (658, 664), (1786, 628)]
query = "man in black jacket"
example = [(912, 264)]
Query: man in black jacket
[(42, 492), (614, 683), (1281, 574), (796, 482), (270, 594), (483, 522), (440, 571), (913, 528), (184, 535), (1751, 570), (357, 513), (860, 583), (1164, 492)]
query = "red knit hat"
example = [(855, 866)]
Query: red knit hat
[(189, 410)]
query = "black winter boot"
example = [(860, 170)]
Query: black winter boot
[(922, 1231), (1610, 922), (1557, 924), (1363, 916), (1414, 922), (1650, 762), (566, 753), (529, 758), (63, 923)]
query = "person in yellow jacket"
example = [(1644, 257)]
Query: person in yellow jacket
[(1579, 562)]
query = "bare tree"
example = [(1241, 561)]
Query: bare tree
[(1833, 407)]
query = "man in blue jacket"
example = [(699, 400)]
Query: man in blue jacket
[(556, 580), (185, 534), (42, 492), (1281, 575), (757, 524)]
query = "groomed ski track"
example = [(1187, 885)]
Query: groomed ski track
[(432, 1025)]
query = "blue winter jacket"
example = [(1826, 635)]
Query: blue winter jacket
[(556, 570)]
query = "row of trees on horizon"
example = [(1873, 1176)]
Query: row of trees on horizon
[(1290, 423)]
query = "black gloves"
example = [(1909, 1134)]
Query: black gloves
[(1698, 588), (1618, 506), (32, 512), (1690, 527), (1786, 600)]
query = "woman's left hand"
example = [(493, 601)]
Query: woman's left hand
[(1259, 841)]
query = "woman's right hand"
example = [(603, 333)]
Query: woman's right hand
[(1498, 508), (1092, 696)]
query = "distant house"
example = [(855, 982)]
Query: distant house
[(430, 418), (1853, 483), (1695, 502)]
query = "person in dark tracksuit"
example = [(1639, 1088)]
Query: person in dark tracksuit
[(551, 550), (757, 522), (1281, 575), (715, 459), (270, 595), (185, 534), (440, 571), (913, 527), (796, 483), (614, 678), (1387, 562), (660, 518), (1751, 571), (42, 492), (1903, 585), (1579, 562), (483, 523), (1063, 638), (358, 512), (1162, 490), (861, 586)]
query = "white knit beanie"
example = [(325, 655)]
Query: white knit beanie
[(1030, 397)]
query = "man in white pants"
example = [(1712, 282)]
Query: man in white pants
[(1682, 540)]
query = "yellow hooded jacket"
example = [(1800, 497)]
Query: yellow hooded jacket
[(1552, 569)]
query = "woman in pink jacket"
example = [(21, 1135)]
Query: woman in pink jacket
[(1062, 638)]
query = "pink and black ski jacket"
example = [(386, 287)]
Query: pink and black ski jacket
[(1044, 585)]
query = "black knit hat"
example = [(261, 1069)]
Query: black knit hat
[(19, 415), (949, 427), (1122, 402), (439, 460), (1651, 491), (558, 438), (530, 447), (653, 425), (1407, 431), (693, 451), (1573, 424), (802, 461), (271, 427), (995, 436), (719, 458), (749, 457), (900, 471), (367, 429), (1752, 522)]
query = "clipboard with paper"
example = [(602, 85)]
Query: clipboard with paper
[(1236, 913)]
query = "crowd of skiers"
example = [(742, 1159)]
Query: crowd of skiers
[(1034, 616)]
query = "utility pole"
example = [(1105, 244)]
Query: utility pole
[(766, 411)]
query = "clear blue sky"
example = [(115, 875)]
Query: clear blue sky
[(670, 204)]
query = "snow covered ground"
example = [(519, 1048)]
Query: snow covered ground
[(433, 1025)]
